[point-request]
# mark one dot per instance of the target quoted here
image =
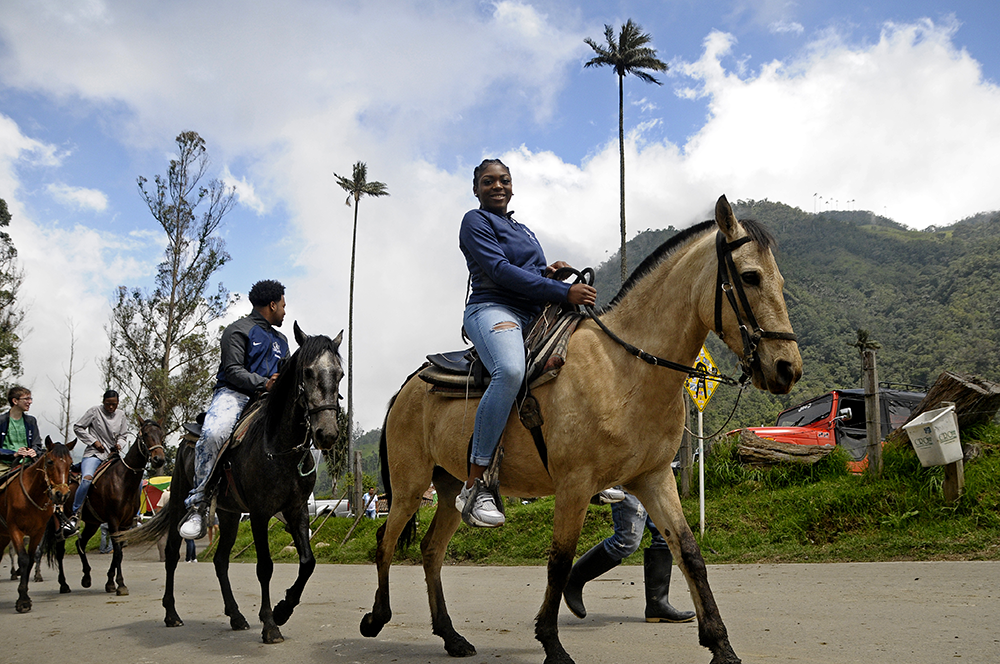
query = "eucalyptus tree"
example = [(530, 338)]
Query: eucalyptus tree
[(628, 53), (357, 187), (11, 311), (163, 345)]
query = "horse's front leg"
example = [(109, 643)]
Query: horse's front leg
[(81, 548), (446, 521), (664, 506), (229, 525), (265, 569), (59, 546), (38, 565), (116, 582), (570, 511), (298, 528)]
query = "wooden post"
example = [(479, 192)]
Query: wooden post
[(873, 418), (358, 489), (685, 452), (954, 475)]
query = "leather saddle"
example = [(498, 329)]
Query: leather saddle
[(461, 373)]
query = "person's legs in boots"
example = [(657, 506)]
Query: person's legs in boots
[(657, 564), (88, 466), (628, 517), (220, 419)]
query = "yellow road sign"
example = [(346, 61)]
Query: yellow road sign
[(701, 389)]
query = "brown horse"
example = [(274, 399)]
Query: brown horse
[(28, 498), (608, 420), (113, 499)]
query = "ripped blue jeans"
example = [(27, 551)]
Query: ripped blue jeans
[(496, 331), (629, 518), (220, 419)]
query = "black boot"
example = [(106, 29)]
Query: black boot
[(656, 564), (591, 565)]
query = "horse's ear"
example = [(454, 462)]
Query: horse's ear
[(340, 337), (726, 220), (71, 444), (139, 420), (300, 336), (48, 443)]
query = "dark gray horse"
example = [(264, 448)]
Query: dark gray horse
[(269, 473)]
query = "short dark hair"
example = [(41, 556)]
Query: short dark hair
[(265, 292), (16, 392), (110, 394), (482, 167)]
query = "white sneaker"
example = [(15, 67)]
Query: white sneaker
[(609, 496), (191, 526), (483, 511)]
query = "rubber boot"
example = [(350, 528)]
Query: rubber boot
[(591, 565), (656, 567)]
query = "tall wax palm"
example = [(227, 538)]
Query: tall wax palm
[(628, 55), (357, 188)]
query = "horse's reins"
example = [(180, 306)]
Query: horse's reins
[(146, 449), (49, 487), (307, 439)]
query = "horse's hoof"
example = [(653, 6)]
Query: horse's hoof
[(122, 591), (272, 636), (85, 581), (370, 627), (109, 587), (457, 646), (64, 590), (173, 621), (24, 607), (238, 623), (282, 612)]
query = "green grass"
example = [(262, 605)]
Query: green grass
[(819, 513)]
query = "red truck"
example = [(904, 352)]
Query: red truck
[(839, 417)]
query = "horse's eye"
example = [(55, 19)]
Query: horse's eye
[(751, 278), (309, 373)]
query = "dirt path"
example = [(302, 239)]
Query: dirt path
[(912, 613)]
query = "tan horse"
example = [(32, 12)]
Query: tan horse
[(609, 420)]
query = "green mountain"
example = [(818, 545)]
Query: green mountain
[(931, 299)]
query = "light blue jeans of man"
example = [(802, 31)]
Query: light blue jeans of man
[(496, 331), (88, 466), (220, 419), (629, 518)]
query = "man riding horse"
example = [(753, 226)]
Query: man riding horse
[(252, 348)]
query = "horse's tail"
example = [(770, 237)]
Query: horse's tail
[(149, 531), (409, 533), (50, 540)]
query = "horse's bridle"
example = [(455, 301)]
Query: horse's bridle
[(50, 488), (146, 449), (727, 281), (302, 402)]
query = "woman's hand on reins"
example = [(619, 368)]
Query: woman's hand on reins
[(582, 294)]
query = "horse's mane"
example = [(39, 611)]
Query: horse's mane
[(757, 232), (290, 376)]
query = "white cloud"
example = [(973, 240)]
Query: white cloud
[(245, 192), (81, 198), (783, 26)]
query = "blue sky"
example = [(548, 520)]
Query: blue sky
[(885, 106)]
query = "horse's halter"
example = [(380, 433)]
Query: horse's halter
[(50, 488), (146, 450), (728, 281)]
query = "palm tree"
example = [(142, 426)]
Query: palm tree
[(357, 188), (628, 55)]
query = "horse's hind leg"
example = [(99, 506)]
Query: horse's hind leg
[(229, 524), (116, 581), (24, 559), (38, 565), (446, 521), (171, 554), (81, 548), (402, 510), (298, 527), (664, 507), (567, 522)]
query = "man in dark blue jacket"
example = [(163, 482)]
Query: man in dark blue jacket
[(19, 438), (252, 347)]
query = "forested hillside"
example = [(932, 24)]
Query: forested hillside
[(930, 298)]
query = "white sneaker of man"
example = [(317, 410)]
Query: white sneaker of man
[(192, 527), (609, 496)]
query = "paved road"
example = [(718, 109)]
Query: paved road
[(912, 613)]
